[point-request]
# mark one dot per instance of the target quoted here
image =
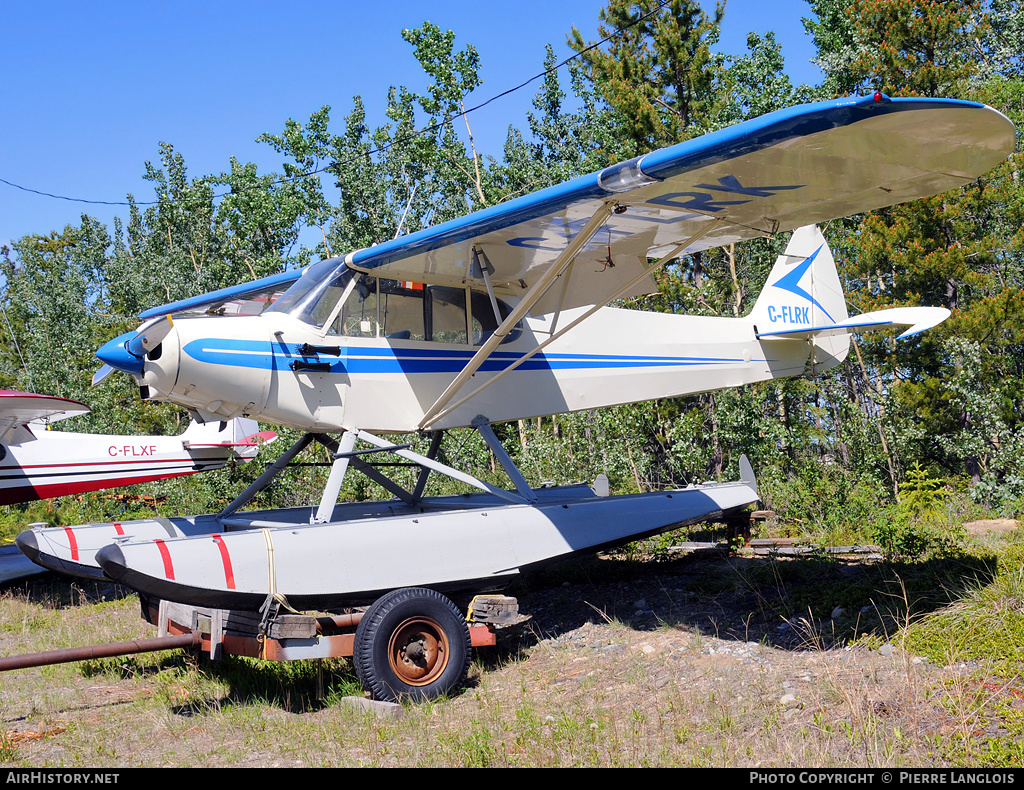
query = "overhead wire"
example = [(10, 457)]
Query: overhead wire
[(380, 149)]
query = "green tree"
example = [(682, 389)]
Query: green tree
[(838, 42), (658, 74), (53, 285), (259, 219), (659, 83), (398, 177), (901, 47), (961, 249), (756, 83), (1003, 50), (188, 243), (561, 145)]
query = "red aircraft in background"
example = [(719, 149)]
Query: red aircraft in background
[(39, 463)]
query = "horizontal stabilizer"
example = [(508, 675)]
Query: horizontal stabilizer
[(917, 318), (241, 434), (256, 439)]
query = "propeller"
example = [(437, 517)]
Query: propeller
[(128, 352), (101, 374)]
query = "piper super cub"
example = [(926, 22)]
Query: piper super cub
[(504, 315)]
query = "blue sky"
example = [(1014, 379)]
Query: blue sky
[(89, 90)]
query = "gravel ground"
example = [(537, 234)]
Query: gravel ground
[(680, 662)]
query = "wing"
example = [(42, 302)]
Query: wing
[(798, 166), (250, 298), (17, 409)]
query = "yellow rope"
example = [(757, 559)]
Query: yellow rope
[(272, 593), (272, 585), (271, 565)]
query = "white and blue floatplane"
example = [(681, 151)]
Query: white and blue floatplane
[(504, 315)]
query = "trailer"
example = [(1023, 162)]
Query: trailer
[(412, 644)]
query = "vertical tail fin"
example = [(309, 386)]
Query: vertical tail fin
[(803, 291)]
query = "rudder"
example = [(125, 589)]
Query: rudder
[(804, 291)]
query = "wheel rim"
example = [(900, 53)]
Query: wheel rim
[(418, 651)]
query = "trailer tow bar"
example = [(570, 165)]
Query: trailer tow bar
[(109, 650)]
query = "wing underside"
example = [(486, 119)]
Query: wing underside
[(796, 167), (17, 409)]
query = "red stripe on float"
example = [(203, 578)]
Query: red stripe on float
[(229, 574), (72, 543), (165, 555), (118, 528)]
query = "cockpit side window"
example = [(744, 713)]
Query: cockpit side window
[(401, 310), (377, 307), (445, 314), (359, 314)]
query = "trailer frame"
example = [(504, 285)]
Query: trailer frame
[(291, 636)]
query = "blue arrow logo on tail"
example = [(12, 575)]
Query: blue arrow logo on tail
[(790, 281)]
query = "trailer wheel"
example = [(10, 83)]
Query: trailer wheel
[(412, 643)]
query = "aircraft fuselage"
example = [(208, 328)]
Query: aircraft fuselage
[(258, 366)]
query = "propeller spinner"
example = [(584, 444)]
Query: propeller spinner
[(128, 352)]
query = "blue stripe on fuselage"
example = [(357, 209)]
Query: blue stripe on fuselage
[(389, 359)]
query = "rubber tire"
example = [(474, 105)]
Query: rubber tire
[(380, 622)]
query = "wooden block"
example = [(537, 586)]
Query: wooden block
[(499, 609)]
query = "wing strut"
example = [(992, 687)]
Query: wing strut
[(346, 456), (481, 264), (267, 477), (436, 466), (679, 248), (483, 427), (332, 488), (528, 301)]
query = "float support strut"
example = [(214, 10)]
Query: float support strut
[(336, 478)]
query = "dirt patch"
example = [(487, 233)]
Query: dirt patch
[(990, 526)]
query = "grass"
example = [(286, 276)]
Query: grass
[(986, 623), (680, 692), (981, 633)]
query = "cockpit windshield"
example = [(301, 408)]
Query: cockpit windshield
[(316, 293)]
